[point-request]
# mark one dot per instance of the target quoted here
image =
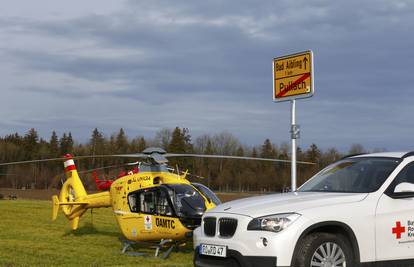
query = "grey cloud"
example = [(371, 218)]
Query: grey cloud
[(218, 55)]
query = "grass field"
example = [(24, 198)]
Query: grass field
[(28, 237)]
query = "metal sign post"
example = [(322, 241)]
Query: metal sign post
[(293, 79), (293, 137)]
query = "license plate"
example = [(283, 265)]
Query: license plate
[(213, 250)]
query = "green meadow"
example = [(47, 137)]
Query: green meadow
[(28, 237)]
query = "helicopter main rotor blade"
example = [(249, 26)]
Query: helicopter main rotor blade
[(156, 156), (75, 158), (31, 161), (169, 155), (234, 157), (133, 163), (135, 155), (110, 167)]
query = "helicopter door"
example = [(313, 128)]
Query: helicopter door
[(163, 206), (156, 202), (147, 202), (155, 207)]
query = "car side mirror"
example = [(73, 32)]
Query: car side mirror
[(404, 190)]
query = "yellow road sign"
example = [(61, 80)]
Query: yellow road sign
[(293, 76)]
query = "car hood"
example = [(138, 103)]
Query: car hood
[(286, 202)]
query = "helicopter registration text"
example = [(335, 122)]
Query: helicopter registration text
[(165, 223)]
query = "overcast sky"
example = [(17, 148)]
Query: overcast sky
[(206, 65)]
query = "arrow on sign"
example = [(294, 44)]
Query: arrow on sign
[(306, 61)]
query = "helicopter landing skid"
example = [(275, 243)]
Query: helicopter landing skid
[(128, 245)]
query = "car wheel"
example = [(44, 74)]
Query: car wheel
[(324, 250)]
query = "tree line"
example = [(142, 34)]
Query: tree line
[(218, 174)]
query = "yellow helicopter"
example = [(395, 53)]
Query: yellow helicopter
[(153, 206)]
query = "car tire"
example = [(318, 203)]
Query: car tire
[(317, 248)]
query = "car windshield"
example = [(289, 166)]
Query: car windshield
[(352, 175)]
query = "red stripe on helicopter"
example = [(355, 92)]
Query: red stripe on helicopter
[(293, 85)]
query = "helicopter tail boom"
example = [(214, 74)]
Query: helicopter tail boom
[(73, 199)]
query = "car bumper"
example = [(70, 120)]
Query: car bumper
[(233, 259), (247, 246)]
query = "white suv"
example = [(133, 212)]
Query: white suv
[(357, 211)]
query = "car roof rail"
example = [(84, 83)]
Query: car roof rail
[(408, 154)]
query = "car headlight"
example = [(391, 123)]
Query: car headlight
[(273, 223)]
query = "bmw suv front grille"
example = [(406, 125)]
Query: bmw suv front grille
[(227, 227), (210, 226)]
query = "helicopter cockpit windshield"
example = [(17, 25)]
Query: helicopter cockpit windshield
[(207, 193), (187, 201), (176, 200)]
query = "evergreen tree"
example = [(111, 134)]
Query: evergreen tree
[(97, 146), (137, 145), (54, 145), (178, 142), (62, 142), (142, 144), (31, 151), (254, 153), (187, 140), (268, 150), (70, 143), (97, 143), (121, 142), (112, 144), (66, 144), (313, 154), (30, 143), (268, 168), (14, 139)]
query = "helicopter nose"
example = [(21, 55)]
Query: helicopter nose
[(200, 211)]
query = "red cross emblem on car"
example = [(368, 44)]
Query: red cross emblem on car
[(147, 218), (398, 230)]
